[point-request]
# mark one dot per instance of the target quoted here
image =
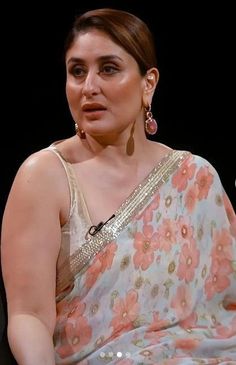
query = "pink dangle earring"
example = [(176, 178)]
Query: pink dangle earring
[(150, 123), (79, 132)]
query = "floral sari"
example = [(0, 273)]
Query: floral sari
[(157, 283)]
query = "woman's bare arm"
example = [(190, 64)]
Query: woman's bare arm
[(30, 244)]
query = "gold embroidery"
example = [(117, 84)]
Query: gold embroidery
[(171, 267), (138, 282), (155, 291), (125, 262)]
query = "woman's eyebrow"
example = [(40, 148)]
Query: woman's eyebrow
[(109, 57)]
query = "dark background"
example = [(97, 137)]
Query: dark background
[(193, 102)]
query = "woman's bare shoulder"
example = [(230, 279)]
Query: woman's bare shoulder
[(41, 172), (42, 163)]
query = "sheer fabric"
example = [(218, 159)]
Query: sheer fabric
[(159, 284)]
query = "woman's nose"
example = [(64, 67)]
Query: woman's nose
[(91, 84)]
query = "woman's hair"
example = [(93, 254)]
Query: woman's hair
[(125, 29)]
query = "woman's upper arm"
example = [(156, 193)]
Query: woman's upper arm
[(31, 238)]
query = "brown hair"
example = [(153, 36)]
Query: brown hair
[(124, 28)]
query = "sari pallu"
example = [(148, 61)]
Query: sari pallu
[(157, 284)]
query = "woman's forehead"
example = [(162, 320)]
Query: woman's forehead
[(96, 43)]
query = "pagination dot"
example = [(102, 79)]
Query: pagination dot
[(102, 354)]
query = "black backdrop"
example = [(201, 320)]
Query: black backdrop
[(193, 101)]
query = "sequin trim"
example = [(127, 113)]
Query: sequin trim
[(80, 259)]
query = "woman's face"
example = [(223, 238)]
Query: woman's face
[(104, 87)]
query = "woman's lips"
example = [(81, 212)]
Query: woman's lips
[(94, 113)]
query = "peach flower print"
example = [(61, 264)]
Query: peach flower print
[(231, 307), (184, 227), (93, 273), (145, 243), (156, 329), (147, 214), (106, 257), (67, 309), (182, 302), (167, 235), (125, 312), (226, 331), (102, 261), (204, 180), (189, 322), (184, 173), (74, 337), (222, 248), (188, 261), (157, 323), (191, 197), (187, 344), (230, 214), (218, 279)]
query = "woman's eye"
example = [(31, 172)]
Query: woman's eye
[(109, 69), (77, 71)]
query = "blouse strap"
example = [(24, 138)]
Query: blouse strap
[(71, 178)]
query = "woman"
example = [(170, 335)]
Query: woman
[(136, 239)]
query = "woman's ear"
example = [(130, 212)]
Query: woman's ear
[(150, 81)]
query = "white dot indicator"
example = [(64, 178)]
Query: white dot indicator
[(119, 354), (128, 354), (102, 354), (110, 354)]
